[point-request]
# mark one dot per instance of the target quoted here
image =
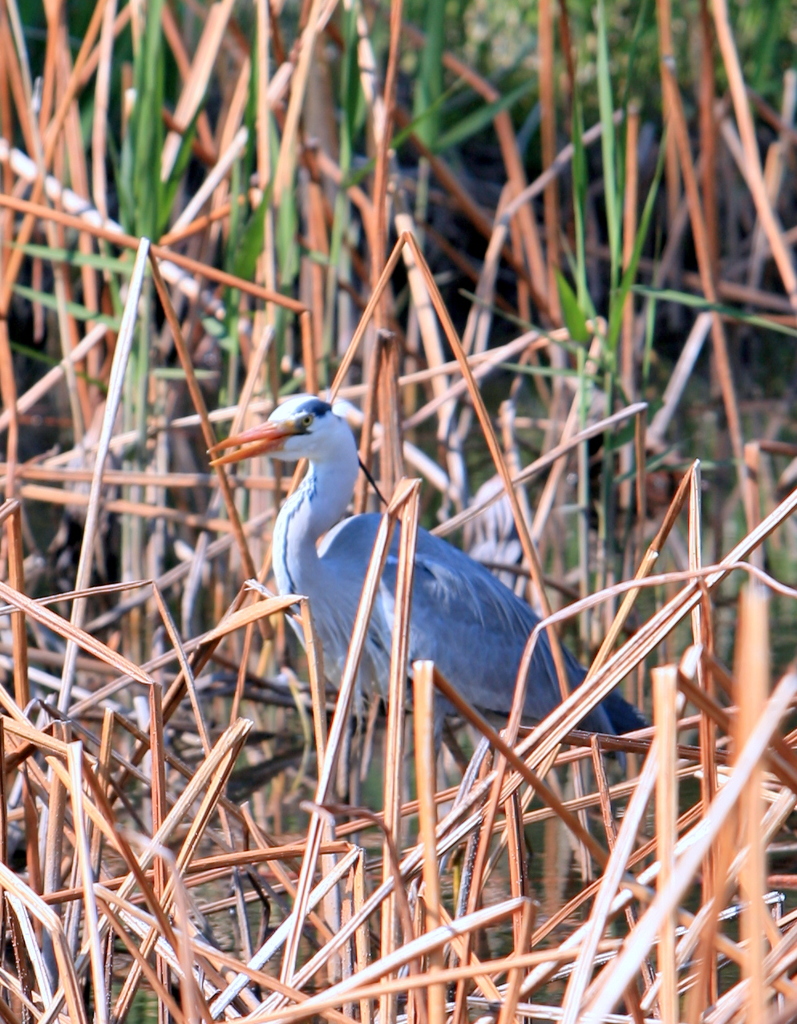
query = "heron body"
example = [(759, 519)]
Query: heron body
[(464, 619)]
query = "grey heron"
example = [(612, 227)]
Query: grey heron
[(464, 619)]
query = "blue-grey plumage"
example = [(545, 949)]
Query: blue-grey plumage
[(464, 619)]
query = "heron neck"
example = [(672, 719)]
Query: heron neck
[(315, 507)]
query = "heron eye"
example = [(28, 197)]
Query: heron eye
[(307, 420)]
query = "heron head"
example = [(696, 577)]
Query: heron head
[(302, 427)]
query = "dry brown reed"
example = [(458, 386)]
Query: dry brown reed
[(187, 829)]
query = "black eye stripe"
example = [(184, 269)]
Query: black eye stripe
[(314, 407)]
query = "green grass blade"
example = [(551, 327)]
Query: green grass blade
[(580, 185), (74, 258), (74, 309), (352, 99), (250, 244), (732, 312), (629, 275), (573, 314), (480, 118), (608, 145), (147, 125), (169, 188), (429, 84), (538, 371)]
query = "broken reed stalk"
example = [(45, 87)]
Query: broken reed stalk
[(397, 696), (425, 762), (665, 719), (752, 674)]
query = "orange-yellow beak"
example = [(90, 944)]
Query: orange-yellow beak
[(260, 440)]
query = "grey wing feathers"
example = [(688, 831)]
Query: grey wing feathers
[(473, 627), (478, 630)]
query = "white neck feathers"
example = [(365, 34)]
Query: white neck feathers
[(315, 507)]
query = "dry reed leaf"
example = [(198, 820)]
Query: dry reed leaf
[(621, 972)]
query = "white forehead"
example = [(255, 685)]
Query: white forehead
[(298, 404)]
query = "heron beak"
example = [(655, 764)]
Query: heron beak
[(260, 440)]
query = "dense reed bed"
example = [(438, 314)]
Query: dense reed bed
[(560, 300)]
